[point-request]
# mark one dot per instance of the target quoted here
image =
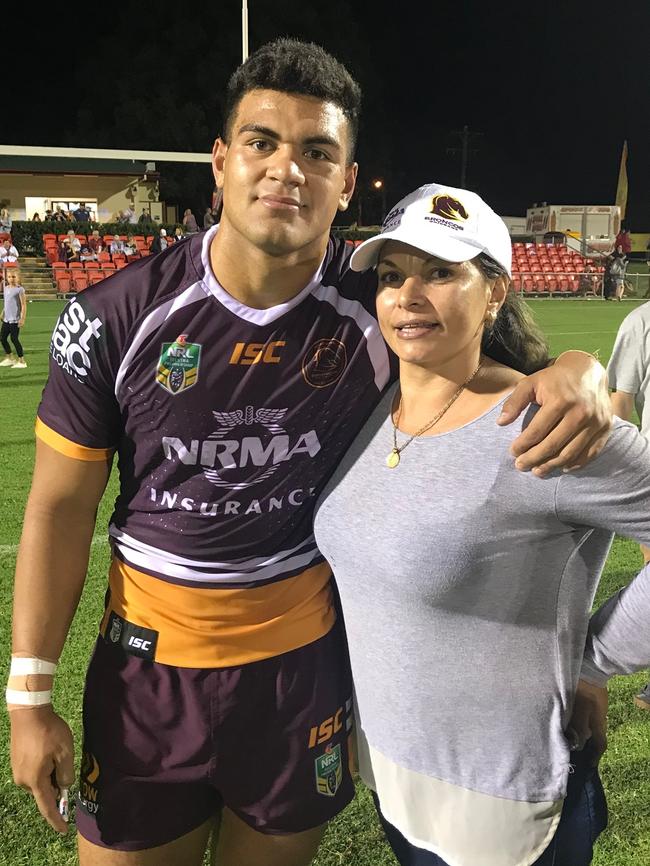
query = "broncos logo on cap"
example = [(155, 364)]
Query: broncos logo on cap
[(449, 208)]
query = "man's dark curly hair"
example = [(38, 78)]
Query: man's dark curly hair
[(303, 68)]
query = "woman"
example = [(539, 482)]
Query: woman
[(189, 221), (5, 222), (466, 585)]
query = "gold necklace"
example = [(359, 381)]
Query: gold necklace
[(392, 461)]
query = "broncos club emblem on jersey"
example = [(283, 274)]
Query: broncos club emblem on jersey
[(178, 366)]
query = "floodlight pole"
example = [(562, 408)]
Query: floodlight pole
[(244, 31)]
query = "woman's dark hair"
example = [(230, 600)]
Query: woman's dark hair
[(296, 67), (514, 339)]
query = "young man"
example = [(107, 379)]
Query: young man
[(230, 374), (14, 310), (629, 375)]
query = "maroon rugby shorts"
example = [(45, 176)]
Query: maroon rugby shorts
[(166, 747)]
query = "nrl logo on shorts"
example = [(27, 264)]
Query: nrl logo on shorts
[(116, 630), (178, 366), (329, 771)]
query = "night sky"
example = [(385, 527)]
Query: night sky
[(553, 93)]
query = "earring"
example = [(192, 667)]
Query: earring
[(490, 318)]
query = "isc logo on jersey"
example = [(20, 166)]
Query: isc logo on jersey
[(72, 339)]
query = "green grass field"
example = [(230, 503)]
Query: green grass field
[(355, 838)]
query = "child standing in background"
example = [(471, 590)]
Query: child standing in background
[(13, 318)]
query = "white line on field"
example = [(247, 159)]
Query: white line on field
[(12, 548), (576, 333)]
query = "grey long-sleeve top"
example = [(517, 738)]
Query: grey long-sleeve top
[(467, 588)]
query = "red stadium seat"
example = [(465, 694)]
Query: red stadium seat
[(80, 281), (49, 238), (528, 285), (75, 265), (64, 285), (121, 264), (95, 277), (108, 266), (104, 256), (59, 266), (91, 266)]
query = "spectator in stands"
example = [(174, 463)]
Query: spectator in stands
[(624, 241), (82, 214), (179, 234), (8, 252), (208, 219), (617, 272), (36, 218), (588, 280), (48, 215), (145, 217), (67, 252), (629, 375), (159, 243), (189, 221), (75, 243), (95, 242), (86, 254), (117, 246), (58, 216), (14, 310), (129, 246), (5, 222)]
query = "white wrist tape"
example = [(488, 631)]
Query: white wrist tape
[(28, 699), (26, 666)]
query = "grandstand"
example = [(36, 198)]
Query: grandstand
[(544, 269), (74, 277)]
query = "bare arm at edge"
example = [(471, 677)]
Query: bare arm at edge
[(54, 549), (50, 574), (622, 404)]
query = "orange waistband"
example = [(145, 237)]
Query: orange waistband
[(217, 628)]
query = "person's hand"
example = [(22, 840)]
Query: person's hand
[(574, 421), (589, 720), (21, 323), (42, 758)]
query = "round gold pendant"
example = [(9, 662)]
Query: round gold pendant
[(393, 459)]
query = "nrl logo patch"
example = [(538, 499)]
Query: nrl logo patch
[(178, 366), (329, 771)]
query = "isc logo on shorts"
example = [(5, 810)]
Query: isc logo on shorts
[(325, 731)]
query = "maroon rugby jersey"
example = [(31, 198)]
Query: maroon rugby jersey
[(227, 421)]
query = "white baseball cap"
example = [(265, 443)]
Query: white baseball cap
[(452, 224)]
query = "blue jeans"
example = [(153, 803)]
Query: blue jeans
[(584, 817)]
